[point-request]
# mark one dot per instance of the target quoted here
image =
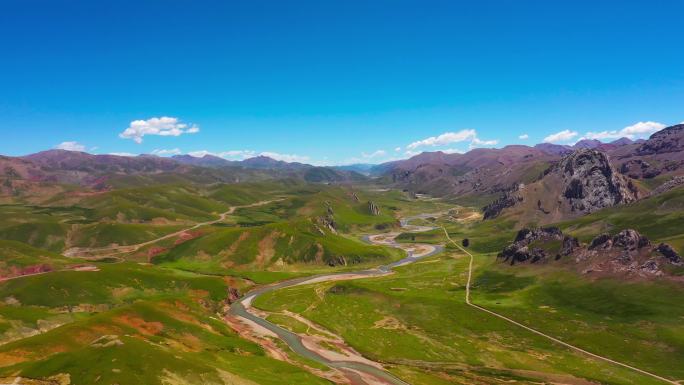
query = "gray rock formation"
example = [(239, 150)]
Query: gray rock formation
[(668, 252), (639, 169), (373, 208), (530, 246), (669, 185), (509, 199), (328, 220), (626, 252), (670, 139), (590, 182)]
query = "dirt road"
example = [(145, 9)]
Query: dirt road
[(537, 332)]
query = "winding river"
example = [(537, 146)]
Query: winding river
[(358, 372)]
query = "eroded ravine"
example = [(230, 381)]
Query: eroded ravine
[(353, 367)]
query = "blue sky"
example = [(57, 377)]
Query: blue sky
[(333, 82)]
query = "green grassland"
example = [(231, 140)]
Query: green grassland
[(639, 323), (417, 322), (660, 218), (159, 322), (159, 326), (271, 247)]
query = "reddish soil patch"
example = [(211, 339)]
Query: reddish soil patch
[(139, 324), (154, 251), (16, 271), (186, 236)]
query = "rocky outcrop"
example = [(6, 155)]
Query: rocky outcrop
[(669, 185), (373, 208), (668, 252), (580, 183), (627, 252), (639, 169), (590, 183), (328, 220), (670, 139), (233, 295), (509, 199), (628, 240), (538, 245)]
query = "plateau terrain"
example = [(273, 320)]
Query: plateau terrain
[(523, 264)]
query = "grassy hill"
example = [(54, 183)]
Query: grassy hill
[(271, 247), (130, 324)]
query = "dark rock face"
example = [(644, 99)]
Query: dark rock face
[(630, 240), (509, 199), (627, 242), (639, 169), (670, 139), (328, 220), (669, 185), (233, 295), (522, 250), (373, 208), (626, 252), (590, 182), (668, 252), (603, 241)]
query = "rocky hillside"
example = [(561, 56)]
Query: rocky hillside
[(481, 172), (626, 252), (482, 175), (582, 182), (661, 155), (51, 171)]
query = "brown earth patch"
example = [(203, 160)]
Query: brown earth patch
[(186, 236), (234, 246), (266, 248), (139, 324), (390, 323), (154, 251)]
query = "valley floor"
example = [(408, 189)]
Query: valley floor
[(203, 303)]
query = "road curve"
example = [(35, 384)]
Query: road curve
[(351, 369), (537, 332)]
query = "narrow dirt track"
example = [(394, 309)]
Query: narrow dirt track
[(537, 332), (114, 250)]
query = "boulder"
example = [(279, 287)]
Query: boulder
[(668, 252)]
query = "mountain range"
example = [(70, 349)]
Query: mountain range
[(495, 179)]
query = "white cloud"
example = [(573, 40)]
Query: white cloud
[(70, 146), (232, 154), (523, 136), (397, 149), (563, 136), (635, 131), (173, 151), (479, 143), (642, 129), (453, 151), (375, 154), (285, 157), (121, 154), (444, 139), (449, 138), (603, 135), (367, 157), (164, 126)]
